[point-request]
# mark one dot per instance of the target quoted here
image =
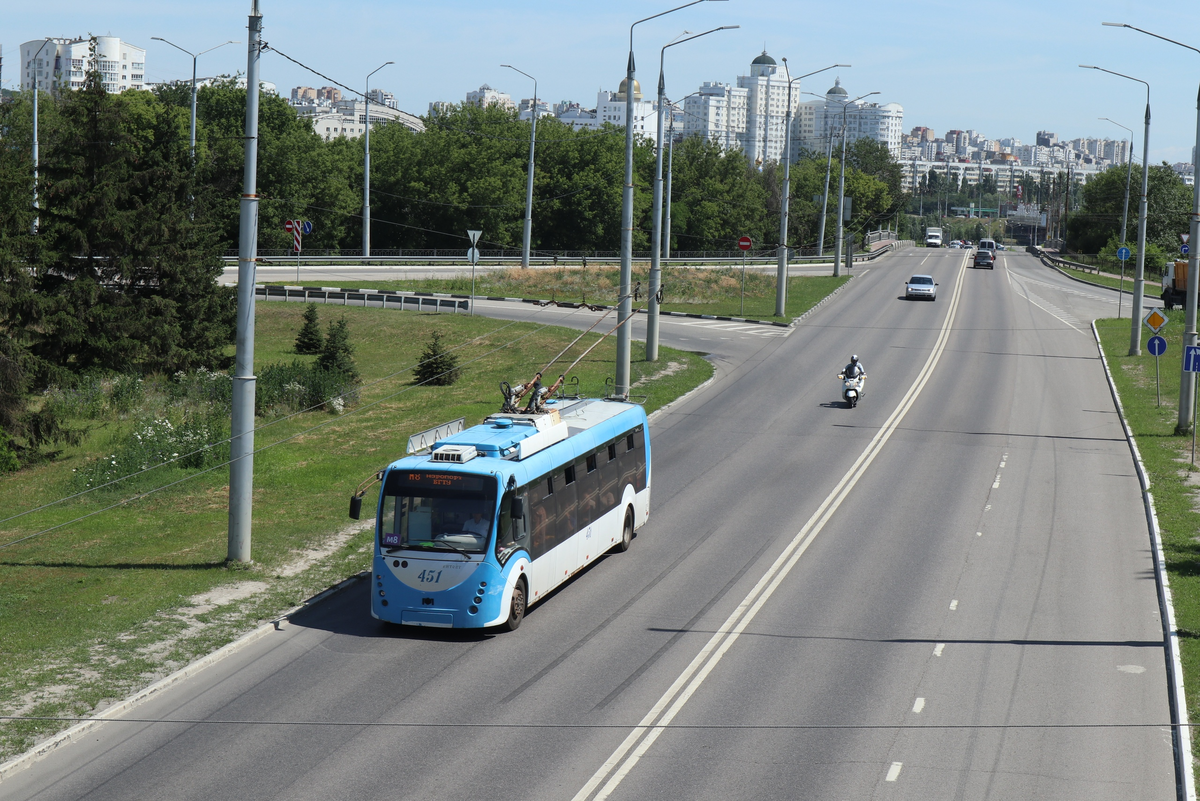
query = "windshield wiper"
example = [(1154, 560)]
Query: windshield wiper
[(439, 544)]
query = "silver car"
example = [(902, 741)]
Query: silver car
[(920, 286)]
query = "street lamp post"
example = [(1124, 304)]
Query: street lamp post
[(195, 56), (1187, 383), (625, 299), (1125, 207), (1139, 288), (837, 244), (366, 242), (529, 171), (656, 234), (782, 271), (34, 228)]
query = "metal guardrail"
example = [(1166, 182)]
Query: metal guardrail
[(285, 257)]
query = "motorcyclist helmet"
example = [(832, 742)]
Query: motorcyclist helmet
[(854, 359)]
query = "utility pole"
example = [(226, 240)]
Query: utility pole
[(241, 457)]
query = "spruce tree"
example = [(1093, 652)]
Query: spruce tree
[(124, 265), (309, 340), (337, 356), (438, 367)]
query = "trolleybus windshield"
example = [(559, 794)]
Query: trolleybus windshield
[(431, 510)]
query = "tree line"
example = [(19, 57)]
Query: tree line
[(116, 267)]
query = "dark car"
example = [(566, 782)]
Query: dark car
[(985, 258)]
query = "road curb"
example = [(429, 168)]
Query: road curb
[(1181, 730), (51, 744)]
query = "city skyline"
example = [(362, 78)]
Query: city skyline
[(1030, 81)]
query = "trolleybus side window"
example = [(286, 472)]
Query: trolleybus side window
[(542, 511), (589, 490), (568, 507)]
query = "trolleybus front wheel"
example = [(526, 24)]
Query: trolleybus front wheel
[(626, 532), (516, 609)]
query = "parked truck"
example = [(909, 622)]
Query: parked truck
[(1174, 284), (933, 237)]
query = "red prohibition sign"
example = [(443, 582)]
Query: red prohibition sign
[(744, 243)]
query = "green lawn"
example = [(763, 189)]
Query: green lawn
[(99, 607), (716, 291), (1172, 477)]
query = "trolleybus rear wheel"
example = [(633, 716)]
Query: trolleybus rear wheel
[(516, 610), (626, 532)]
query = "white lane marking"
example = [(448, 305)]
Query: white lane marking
[(1025, 294), (1002, 465), (978, 533), (987, 508), (996, 483), (893, 772), (738, 328), (937, 649), (918, 705), (1135, 669), (654, 723), (954, 605)]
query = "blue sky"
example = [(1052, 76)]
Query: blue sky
[(1002, 69)]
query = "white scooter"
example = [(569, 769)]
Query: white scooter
[(852, 388)]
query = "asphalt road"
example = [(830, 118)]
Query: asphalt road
[(944, 593)]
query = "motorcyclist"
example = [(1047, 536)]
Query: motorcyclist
[(854, 369)]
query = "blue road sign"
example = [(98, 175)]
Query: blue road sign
[(308, 226), (1123, 253), (1185, 249), (1191, 358), (1156, 345)]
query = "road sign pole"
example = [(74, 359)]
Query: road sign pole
[(1121, 290), (743, 306), (1157, 386)]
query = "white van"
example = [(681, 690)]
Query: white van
[(988, 244)]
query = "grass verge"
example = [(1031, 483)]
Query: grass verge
[(1173, 480), (715, 291), (106, 604)]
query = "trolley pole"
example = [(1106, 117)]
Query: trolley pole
[(241, 468)]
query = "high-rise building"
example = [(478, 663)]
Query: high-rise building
[(486, 96), (52, 64), (382, 98), (883, 123), (1046, 139), (766, 110), (717, 113)]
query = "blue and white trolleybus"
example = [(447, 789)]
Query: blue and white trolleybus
[(491, 519)]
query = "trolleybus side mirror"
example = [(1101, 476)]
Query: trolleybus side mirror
[(355, 507), (518, 508)]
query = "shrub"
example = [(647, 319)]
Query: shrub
[(8, 457), (338, 354), (294, 387), (309, 341), (155, 440), (203, 388), (438, 367)]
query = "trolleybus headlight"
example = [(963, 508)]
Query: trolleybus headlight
[(478, 600), (473, 609), (482, 584), (381, 593), (395, 563)]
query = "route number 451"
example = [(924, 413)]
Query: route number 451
[(429, 576)]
